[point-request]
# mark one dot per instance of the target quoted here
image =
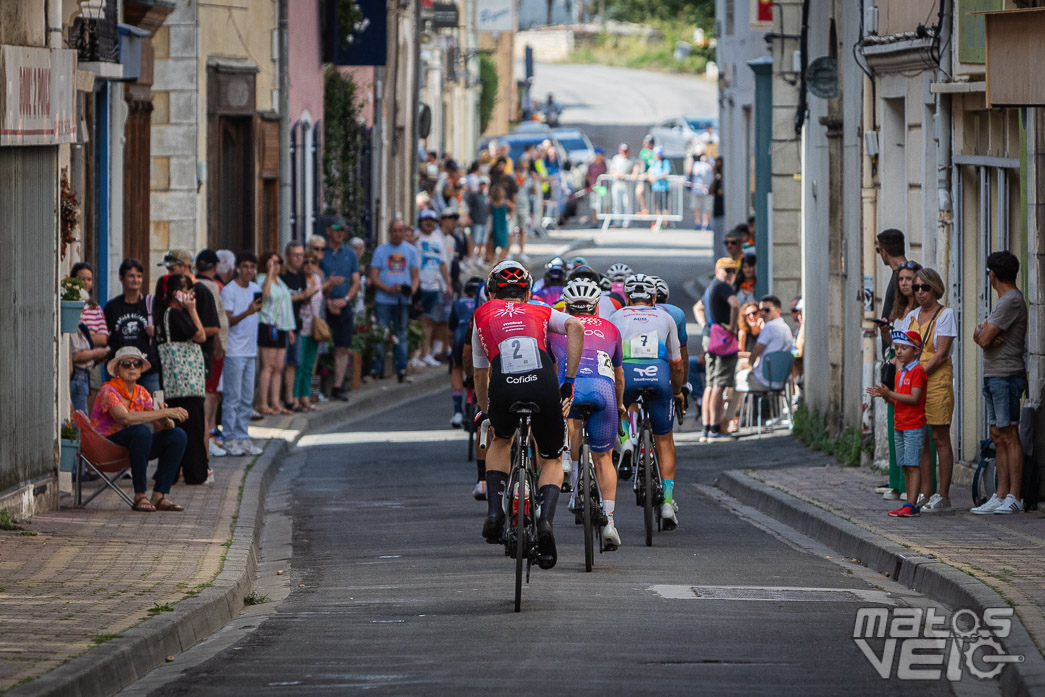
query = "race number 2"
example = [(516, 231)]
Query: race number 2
[(519, 354), (644, 345)]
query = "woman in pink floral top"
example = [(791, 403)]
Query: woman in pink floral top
[(123, 412)]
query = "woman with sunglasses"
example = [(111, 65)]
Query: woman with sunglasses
[(938, 329), (750, 324), (276, 325), (744, 283), (125, 414)]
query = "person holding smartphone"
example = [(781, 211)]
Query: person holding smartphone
[(242, 299)]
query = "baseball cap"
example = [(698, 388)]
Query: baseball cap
[(725, 263), (623, 146), (176, 256), (427, 214), (450, 212), (337, 222), (909, 338), (658, 151), (600, 151), (206, 259)]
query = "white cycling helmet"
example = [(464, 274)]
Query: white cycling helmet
[(582, 294), (662, 288), (640, 286), (506, 275), (619, 272)]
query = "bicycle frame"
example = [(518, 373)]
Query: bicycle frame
[(521, 523), (647, 486)]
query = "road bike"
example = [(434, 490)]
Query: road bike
[(649, 491), (520, 499), (587, 501), (469, 422)]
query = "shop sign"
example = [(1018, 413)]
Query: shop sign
[(36, 99)]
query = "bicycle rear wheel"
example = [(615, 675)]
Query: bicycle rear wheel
[(584, 488), (647, 483), (520, 532)]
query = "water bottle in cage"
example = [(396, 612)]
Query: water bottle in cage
[(526, 502)]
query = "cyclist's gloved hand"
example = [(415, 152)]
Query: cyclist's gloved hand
[(480, 416), (566, 389)]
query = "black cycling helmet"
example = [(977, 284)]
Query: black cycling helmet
[(509, 279), (471, 286), (585, 272)]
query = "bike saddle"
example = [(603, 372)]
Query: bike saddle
[(524, 408)]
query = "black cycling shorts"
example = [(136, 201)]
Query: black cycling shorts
[(541, 387)]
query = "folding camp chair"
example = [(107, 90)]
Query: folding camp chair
[(776, 369), (103, 457)]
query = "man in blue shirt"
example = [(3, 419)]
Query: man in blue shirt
[(394, 273), (340, 260)]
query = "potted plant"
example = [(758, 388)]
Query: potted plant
[(73, 298), (70, 442)]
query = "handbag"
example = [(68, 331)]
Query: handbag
[(723, 342), (184, 374), (320, 330)]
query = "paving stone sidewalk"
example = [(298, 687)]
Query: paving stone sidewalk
[(77, 577), (1005, 552)]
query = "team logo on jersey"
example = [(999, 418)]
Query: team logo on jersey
[(594, 332), (650, 371), (396, 262), (511, 310)]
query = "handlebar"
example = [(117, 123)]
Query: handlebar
[(679, 411)]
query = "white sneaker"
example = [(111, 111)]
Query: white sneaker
[(210, 476), (921, 501), (668, 516), (457, 420), (216, 450), (232, 448), (524, 258), (988, 507), (1009, 506), (249, 447), (416, 363), (935, 504), (430, 361), (891, 495), (479, 492), (610, 538)]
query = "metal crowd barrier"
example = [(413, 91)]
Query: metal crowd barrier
[(633, 199)]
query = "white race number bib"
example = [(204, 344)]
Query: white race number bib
[(519, 354), (605, 364), (644, 345)]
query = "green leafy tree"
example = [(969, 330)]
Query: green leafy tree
[(343, 136), (696, 12), (488, 95)]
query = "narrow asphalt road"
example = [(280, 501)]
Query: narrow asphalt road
[(392, 591)]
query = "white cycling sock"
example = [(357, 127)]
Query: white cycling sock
[(607, 508), (574, 475)]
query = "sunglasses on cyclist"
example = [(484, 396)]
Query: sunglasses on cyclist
[(131, 363), (921, 286)]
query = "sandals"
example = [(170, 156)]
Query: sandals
[(143, 505), (165, 504)]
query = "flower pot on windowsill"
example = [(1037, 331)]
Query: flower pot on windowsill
[(70, 315), (70, 450)]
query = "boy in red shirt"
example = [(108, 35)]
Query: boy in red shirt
[(908, 398)]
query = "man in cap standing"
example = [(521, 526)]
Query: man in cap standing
[(340, 260), (206, 276)]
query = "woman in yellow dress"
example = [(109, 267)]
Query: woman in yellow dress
[(937, 326)]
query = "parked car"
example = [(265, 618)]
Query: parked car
[(580, 152), (680, 135)]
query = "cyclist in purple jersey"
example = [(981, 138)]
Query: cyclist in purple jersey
[(600, 382)]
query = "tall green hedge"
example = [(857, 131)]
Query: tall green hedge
[(343, 137), (488, 95)]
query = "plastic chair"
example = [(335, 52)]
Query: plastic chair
[(102, 456), (776, 369)]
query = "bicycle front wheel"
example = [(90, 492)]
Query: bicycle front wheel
[(584, 489), (647, 483)]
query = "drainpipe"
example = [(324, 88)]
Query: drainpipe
[(54, 23), (284, 127)]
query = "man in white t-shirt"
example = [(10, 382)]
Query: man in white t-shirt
[(775, 336), (621, 168), (242, 300), (435, 253)]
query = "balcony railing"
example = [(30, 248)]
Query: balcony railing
[(94, 33)]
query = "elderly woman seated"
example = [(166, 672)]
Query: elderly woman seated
[(124, 413)]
